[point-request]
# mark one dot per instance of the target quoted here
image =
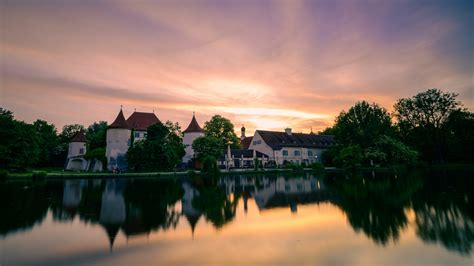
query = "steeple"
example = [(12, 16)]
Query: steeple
[(193, 126), (242, 133), (120, 121)]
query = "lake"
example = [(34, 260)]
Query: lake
[(390, 218)]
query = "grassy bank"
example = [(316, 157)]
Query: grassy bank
[(58, 174)]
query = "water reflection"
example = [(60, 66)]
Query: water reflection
[(377, 205)]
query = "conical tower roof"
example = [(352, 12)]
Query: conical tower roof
[(193, 126), (120, 121), (79, 137)]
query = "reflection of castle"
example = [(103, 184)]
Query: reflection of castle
[(191, 214), (112, 211)]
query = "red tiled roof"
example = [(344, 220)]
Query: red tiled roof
[(79, 137), (193, 126), (120, 121), (246, 142), (141, 121)]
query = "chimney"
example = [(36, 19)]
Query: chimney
[(288, 131)]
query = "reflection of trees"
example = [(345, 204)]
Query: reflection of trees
[(375, 205), (23, 204), (149, 205), (217, 207), (444, 211)]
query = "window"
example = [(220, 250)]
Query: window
[(285, 153), (310, 153), (81, 151), (256, 142), (297, 153), (137, 134)]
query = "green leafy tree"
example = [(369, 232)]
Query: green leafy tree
[(362, 124), (460, 136), (421, 119), (47, 142), (222, 129), (96, 135), (161, 150), (18, 142), (208, 146)]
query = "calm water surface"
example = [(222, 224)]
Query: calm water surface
[(418, 217)]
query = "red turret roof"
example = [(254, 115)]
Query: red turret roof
[(193, 126), (79, 137), (141, 121), (120, 122)]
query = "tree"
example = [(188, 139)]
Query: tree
[(208, 146), (222, 129), (362, 125), (161, 150), (18, 142), (96, 135), (460, 136), (421, 118), (47, 141)]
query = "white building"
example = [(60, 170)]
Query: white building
[(286, 146), (119, 136), (75, 156), (192, 132)]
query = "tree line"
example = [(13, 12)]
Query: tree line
[(39, 144), (432, 126)]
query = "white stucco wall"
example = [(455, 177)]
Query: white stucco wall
[(118, 142), (188, 139), (303, 157), (258, 144), (75, 149)]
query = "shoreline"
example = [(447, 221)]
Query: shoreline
[(94, 175)]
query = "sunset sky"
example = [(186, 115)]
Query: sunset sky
[(265, 64)]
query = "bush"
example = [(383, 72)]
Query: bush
[(209, 165), (317, 166), (39, 174), (349, 157), (4, 174), (293, 166)]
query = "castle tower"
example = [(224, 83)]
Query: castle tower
[(76, 151), (118, 141), (77, 145), (189, 135)]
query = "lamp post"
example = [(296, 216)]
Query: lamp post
[(229, 155)]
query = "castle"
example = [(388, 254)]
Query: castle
[(119, 136)]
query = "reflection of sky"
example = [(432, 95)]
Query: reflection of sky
[(267, 64), (317, 234)]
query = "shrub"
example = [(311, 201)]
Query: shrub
[(349, 157), (3, 174), (39, 174), (293, 166), (209, 165), (316, 166)]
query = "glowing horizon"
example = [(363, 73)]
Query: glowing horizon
[(264, 64)]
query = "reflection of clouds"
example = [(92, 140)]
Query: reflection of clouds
[(211, 56)]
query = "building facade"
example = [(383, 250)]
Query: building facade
[(119, 136), (284, 147)]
